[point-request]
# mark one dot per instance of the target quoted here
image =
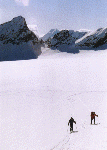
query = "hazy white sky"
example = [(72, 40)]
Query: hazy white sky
[(23, 2), (61, 14)]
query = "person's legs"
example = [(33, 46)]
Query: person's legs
[(91, 120), (71, 126), (94, 120)]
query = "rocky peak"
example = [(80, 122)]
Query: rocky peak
[(16, 32), (66, 37), (17, 42)]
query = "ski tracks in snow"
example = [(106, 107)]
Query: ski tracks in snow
[(67, 143), (62, 144), (85, 139)]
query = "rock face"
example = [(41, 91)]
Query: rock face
[(17, 42), (65, 40), (50, 34), (93, 40), (72, 41)]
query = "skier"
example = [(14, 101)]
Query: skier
[(71, 121), (93, 116)]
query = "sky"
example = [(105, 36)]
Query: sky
[(60, 14)]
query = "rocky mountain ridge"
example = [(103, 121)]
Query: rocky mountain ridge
[(16, 32), (17, 41), (93, 39), (72, 41), (65, 40)]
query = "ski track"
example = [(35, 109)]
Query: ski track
[(67, 144), (62, 143), (71, 142)]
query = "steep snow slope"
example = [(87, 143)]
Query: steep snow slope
[(38, 97), (17, 41), (50, 34), (93, 39)]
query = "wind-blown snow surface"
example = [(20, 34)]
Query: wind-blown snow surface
[(38, 97)]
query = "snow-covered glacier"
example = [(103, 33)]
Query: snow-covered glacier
[(38, 97)]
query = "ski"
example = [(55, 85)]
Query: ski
[(95, 124), (73, 132)]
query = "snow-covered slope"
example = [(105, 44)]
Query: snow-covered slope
[(50, 34), (17, 41), (93, 39), (65, 40), (38, 97)]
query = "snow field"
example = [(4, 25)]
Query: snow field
[(38, 97)]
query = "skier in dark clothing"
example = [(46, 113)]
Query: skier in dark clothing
[(71, 121), (93, 116)]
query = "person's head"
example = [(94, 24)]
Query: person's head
[(92, 113)]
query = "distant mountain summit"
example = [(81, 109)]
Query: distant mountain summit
[(50, 34), (17, 42)]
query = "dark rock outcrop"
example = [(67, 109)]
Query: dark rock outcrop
[(65, 41)]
